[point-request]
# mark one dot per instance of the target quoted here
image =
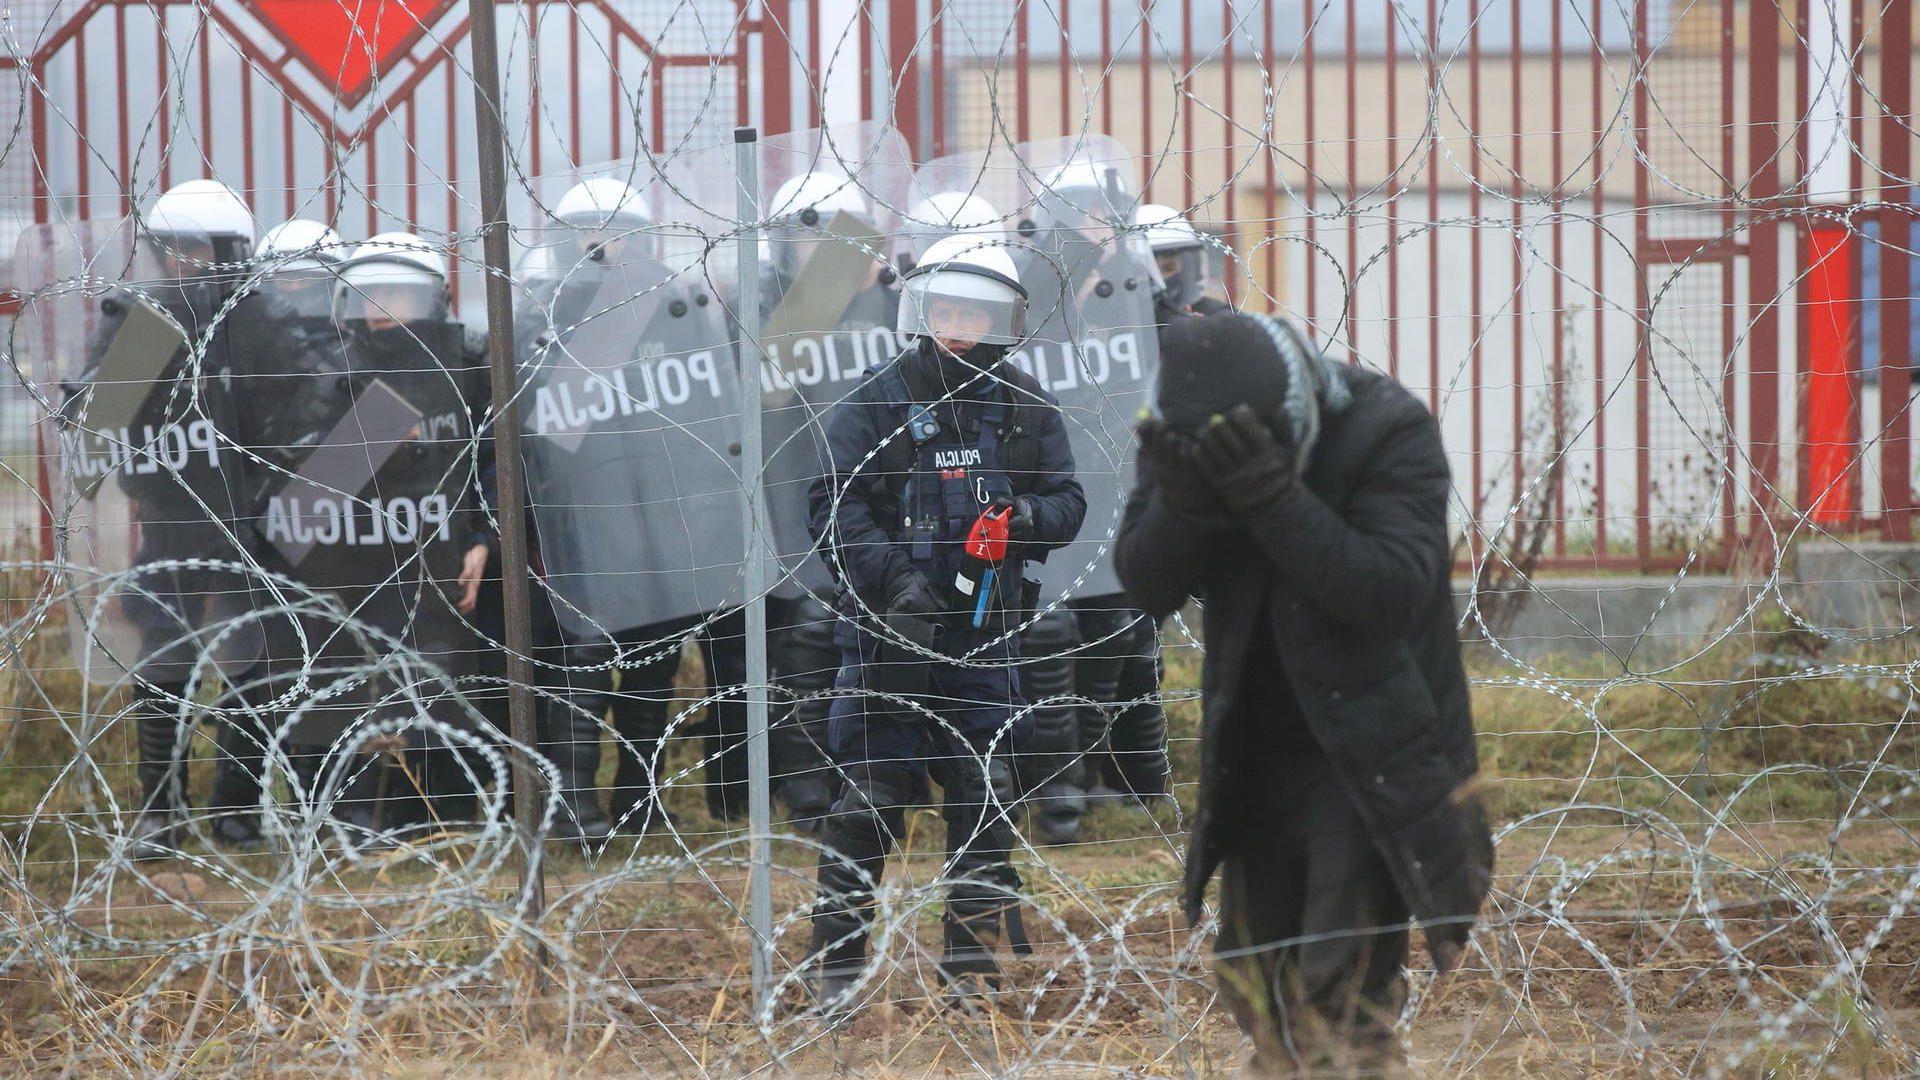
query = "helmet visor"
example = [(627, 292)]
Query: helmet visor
[(962, 308), (387, 302), (1184, 272)]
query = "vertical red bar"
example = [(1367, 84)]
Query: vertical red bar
[(204, 42), (776, 62), (1643, 346), (1022, 83), (1228, 148), (82, 171), (249, 173), (1832, 404), (1307, 182), (658, 73), (286, 154), (535, 125), (1186, 114), (453, 176), (1353, 189), (1517, 193), (865, 23), (1147, 144), (1106, 66), (1396, 184), (1856, 193), (370, 153), (413, 163), (903, 32), (120, 107), (1802, 142), (42, 212), (817, 89), (1602, 241), (742, 60), (937, 40), (1556, 56), (1477, 401), (1066, 66), (573, 82), (163, 114), (1729, 223), (1270, 151), (1433, 212), (617, 106), (1896, 271), (1763, 266)]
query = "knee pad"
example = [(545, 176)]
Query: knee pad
[(875, 790)]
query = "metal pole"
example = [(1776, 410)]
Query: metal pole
[(506, 443), (759, 782)]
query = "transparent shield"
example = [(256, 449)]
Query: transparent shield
[(631, 414), (829, 303), (1091, 334), (119, 335)]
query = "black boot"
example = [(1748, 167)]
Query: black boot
[(236, 783), (1051, 763), (573, 744), (156, 731), (986, 890), (858, 834)]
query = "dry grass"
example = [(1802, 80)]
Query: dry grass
[(1601, 963)]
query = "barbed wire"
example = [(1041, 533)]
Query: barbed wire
[(1706, 859)]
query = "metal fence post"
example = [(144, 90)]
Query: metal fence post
[(759, 782), (506, 441)]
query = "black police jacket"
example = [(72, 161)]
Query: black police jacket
[(854, 507), (1352, 567)]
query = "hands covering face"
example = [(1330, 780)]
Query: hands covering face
[(1234, 464)]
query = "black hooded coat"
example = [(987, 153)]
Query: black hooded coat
[(1351, 566)]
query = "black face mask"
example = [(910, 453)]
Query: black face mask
[(958, 371), (392, 340)]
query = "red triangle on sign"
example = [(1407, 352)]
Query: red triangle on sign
[(347, 43)]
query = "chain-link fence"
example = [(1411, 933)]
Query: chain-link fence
[(321, 754)]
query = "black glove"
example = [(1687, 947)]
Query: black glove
[(1241, 461), (1169, 456), (1020, 525), (911, 594)]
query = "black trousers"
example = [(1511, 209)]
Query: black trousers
[(1313, 937)]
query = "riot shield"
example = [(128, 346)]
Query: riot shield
[(828, 306), (1092, 338), (631, 412), (122, 333), (368, 498)]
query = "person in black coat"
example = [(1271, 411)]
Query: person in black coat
[(1303, 502)]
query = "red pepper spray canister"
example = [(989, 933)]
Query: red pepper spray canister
[(986, 550)]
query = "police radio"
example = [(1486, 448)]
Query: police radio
[(986, 549)]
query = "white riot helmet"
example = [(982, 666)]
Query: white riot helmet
[(394, 277), (609, 211), (301, 244), (1179, 251), (965, 287), (299, 259), (945, 213), (203, 213), (802, 208), (1083, 195)]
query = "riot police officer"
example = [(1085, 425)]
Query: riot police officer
[(1180, 255), (370, 511), (631, 392), (1093, 672), (829, 309), (201, 235), (939, 443), (283, 331)]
